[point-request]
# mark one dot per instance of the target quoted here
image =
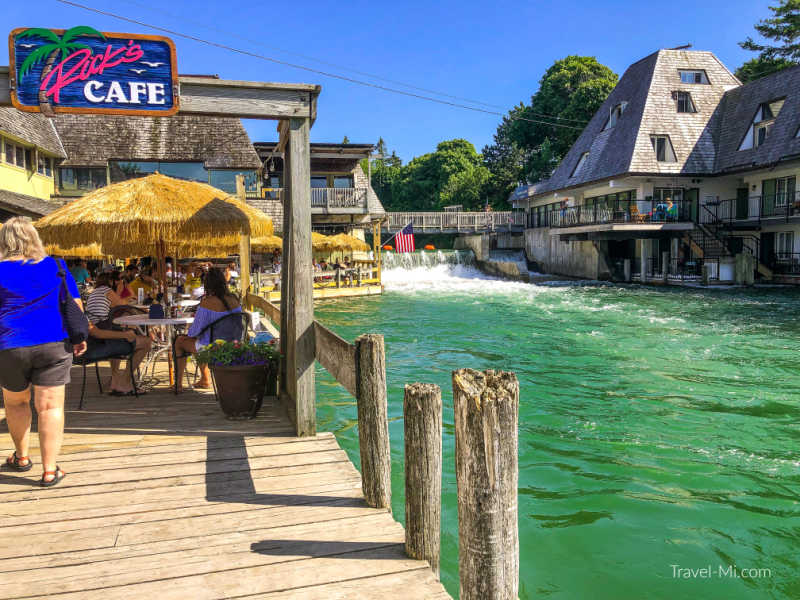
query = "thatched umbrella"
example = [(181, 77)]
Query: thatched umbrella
[(345, 242), (90, 252), (131, 217), (267, 243)]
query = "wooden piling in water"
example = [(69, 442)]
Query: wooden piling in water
[(486, 407), (373, 421), (422, 414)]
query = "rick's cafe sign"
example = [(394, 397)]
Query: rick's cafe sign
[(82, 70)]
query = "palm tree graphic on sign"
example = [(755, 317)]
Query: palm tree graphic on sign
[(64, 44)]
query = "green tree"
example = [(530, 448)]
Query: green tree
[(346, 140), (570, 93), (505, 160), (783, 29), (453, 174), (761, 67)]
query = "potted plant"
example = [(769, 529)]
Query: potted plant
[(240, 372)]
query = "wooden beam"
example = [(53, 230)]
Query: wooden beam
[(297, 301), (225, 97)]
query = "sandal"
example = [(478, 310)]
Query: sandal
[(58, 475), (13, 463)]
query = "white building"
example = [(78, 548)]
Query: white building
[(682, 162)]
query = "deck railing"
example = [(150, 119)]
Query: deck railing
[(634, 212), (339, 198), (457, 221), (325, 198), (783, 205)]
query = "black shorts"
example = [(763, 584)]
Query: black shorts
[(46, 365)]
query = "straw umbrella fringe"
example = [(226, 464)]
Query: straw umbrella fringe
[(90, 252), (128, 218)]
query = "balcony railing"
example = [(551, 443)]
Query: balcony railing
[(323, 198), (634, 212), (754, 208), (339, 198), (786, 263)]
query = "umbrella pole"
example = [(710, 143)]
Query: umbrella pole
[(162, 279)]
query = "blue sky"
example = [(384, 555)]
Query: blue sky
[(494, 52)]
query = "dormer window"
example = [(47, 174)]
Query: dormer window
[(693, 76), (663, 148), (615, 114), (759, 129), (579, 166), (684, 102)]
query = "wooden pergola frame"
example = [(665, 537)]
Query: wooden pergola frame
[(294, 106)]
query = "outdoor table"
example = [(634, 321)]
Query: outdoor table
[(187, 303), (146, 321)]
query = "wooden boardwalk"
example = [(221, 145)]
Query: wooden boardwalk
[(164, 498)]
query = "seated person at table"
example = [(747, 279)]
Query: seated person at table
[(79, 272), (105, 340), (143, 281), (217, 302)]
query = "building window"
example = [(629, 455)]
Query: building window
[(684, 102), (663, 148), (319, 181), (43, 166), (693, 76), (10, 153), (615, 115), (81, 179), (226, 180), (343, 181), (579, 166), (130, 169), (20, 156), (759, 129), (785, 244)]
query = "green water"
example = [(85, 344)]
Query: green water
[(657, 427)]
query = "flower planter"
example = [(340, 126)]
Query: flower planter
[(240, 389)]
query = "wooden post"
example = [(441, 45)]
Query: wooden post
[(297, 286), (486, 407), (244, 248), (373, 421), (422, 415), (358, 277), (665, 266), (338, 278)]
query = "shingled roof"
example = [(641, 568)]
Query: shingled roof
[(217, 142), (33, 128), (22, 204), (647, 87), (738, 109)]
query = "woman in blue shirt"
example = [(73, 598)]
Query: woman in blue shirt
[(34, 346)]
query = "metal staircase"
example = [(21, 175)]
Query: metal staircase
[(713, 239)]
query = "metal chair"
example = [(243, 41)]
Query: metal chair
[(242, 319), (85, 361)]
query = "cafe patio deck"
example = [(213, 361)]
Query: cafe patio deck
[(165, 498)]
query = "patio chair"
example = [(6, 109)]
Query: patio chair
[(239, 322), (90, 358), (636, 216)]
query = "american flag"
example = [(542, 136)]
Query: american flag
[(405, 239)]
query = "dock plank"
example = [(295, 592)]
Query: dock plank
[(166, 498)]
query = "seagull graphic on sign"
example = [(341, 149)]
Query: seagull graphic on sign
[(138, 71), (152, 64)]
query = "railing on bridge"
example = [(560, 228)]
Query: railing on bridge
[(455, 221)]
